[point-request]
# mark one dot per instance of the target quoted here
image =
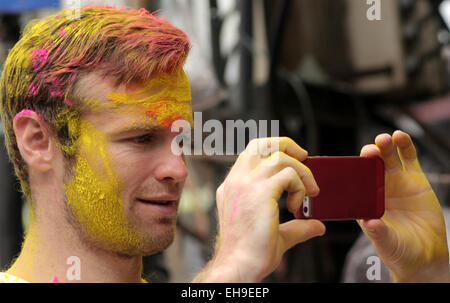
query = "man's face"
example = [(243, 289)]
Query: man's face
[(126, 182)]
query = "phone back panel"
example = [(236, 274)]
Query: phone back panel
[(350, 188)]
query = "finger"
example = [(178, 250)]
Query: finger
[(370, 150), (288, 146), (406, 150), (267, 146), (288, 180), (388, 152), (278, 161), (297, 231)]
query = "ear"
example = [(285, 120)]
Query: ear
[(34, 140)]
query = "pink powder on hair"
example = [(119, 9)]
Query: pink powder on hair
[(33, 89), (61, 32), (56, 90), (39, 57), (56, 93), (22, 113)]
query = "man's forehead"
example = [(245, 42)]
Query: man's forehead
[(172, 87), (97, 90), (92, 86), (160, 101)]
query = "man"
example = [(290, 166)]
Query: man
[(87, 106)]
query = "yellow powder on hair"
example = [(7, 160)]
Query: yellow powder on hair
[(72, 120)]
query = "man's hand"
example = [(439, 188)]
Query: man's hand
[(410, 238), (251, 241)]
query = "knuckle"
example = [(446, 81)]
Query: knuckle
[(226, 184), (219, 191), (278, 158), (279, 154), (288, 140), (232, 183), (253, 143), (302, 188), (252, 147), (307, 171), (290, 171)]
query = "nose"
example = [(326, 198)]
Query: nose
[(171, 168)]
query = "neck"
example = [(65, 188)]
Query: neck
[(50, 255)]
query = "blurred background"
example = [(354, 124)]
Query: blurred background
[(332, 77)]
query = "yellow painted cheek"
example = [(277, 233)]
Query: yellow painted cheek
[(93, 195)]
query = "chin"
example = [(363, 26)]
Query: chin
[(157, 243), (148, 246), (144, 238), (156, 238)]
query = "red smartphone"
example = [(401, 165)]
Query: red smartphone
[(350, 188)]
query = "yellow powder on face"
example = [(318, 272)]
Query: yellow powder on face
[(165, 113), (166, 86), (93, 195), (166, 98)]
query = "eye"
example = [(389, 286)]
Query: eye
[(145, 139)]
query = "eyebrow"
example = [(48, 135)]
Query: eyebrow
[(135, 127)]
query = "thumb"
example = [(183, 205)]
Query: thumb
[(297, 231)]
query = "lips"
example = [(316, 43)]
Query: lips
[(156, 202), (161, 207), (161, 200)]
